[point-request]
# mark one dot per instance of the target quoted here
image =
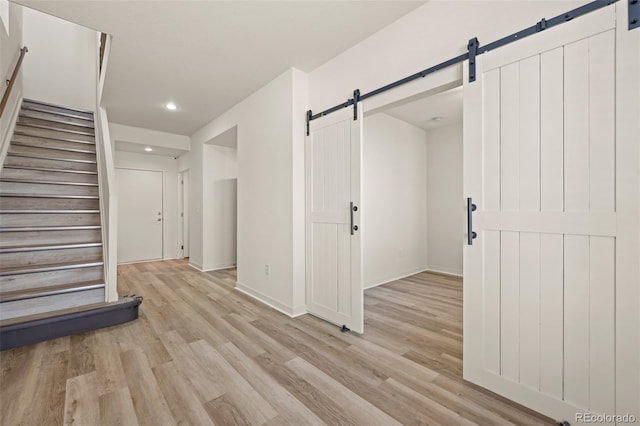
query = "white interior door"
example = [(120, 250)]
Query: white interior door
[(541, 277), (140, 218), (333, 221)]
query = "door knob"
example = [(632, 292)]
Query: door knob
[(159, 219)]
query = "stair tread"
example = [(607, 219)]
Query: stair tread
[(46, 182), (39, 247), (15, 270), (33, 101), (46, 169), (49, 211), (55, 129), (68, 113), (23, 195), (48, 228), (55, 148), (50, 314), (18, 132), (10, 296), (53, 120), (43, 157)]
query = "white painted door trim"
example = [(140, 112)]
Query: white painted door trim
[(183, 213)]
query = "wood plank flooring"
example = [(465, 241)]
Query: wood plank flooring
[(202, 353)]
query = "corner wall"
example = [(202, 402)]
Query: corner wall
[(220, 201), (445, 200), (394, 199), (62, 64), (270, 135)]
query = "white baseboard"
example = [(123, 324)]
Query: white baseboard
[(271, 302), (214, 267), (396, 277), (445, 271), (133, 262), (299, 310), (195, 265), (219, 266)]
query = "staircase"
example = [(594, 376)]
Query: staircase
[(50, 233)]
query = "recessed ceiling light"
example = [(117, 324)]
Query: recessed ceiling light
[(148, 149), (171, 106), (437, 118)]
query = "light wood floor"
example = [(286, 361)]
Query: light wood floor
[(202, 353)]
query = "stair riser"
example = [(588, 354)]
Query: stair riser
[(54, 109), (54, 125), (49, 303), (49, 164), (41, 188), (49, 219), (11, 203), (34, 131), (55, 143), (54, 153), (12, 239), (49, 116), (48, 257), (51, 176), (45, 279)]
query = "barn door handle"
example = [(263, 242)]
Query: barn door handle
[(470, 209), (352, 209)]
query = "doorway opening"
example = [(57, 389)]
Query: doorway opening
[(220, 248), (414, 216), (412, 188)]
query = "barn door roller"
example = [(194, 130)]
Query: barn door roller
[(472, 47), (634, 14)]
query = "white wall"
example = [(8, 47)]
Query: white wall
[(269, 203), (394, 199), (169, 166), (220, 202), (123, 133), (445, 201), (62, 64), (10, 45), (434, 32)]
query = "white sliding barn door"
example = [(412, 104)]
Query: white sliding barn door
[(541, 276), (333, 251)]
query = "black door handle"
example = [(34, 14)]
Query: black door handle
[(352, 209), (470, 209)]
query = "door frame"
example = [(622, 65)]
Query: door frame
[(162, 210), (184, 239)]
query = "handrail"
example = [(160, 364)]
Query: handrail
[(14, 75)]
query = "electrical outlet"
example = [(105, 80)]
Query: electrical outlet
[(267, 269)]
